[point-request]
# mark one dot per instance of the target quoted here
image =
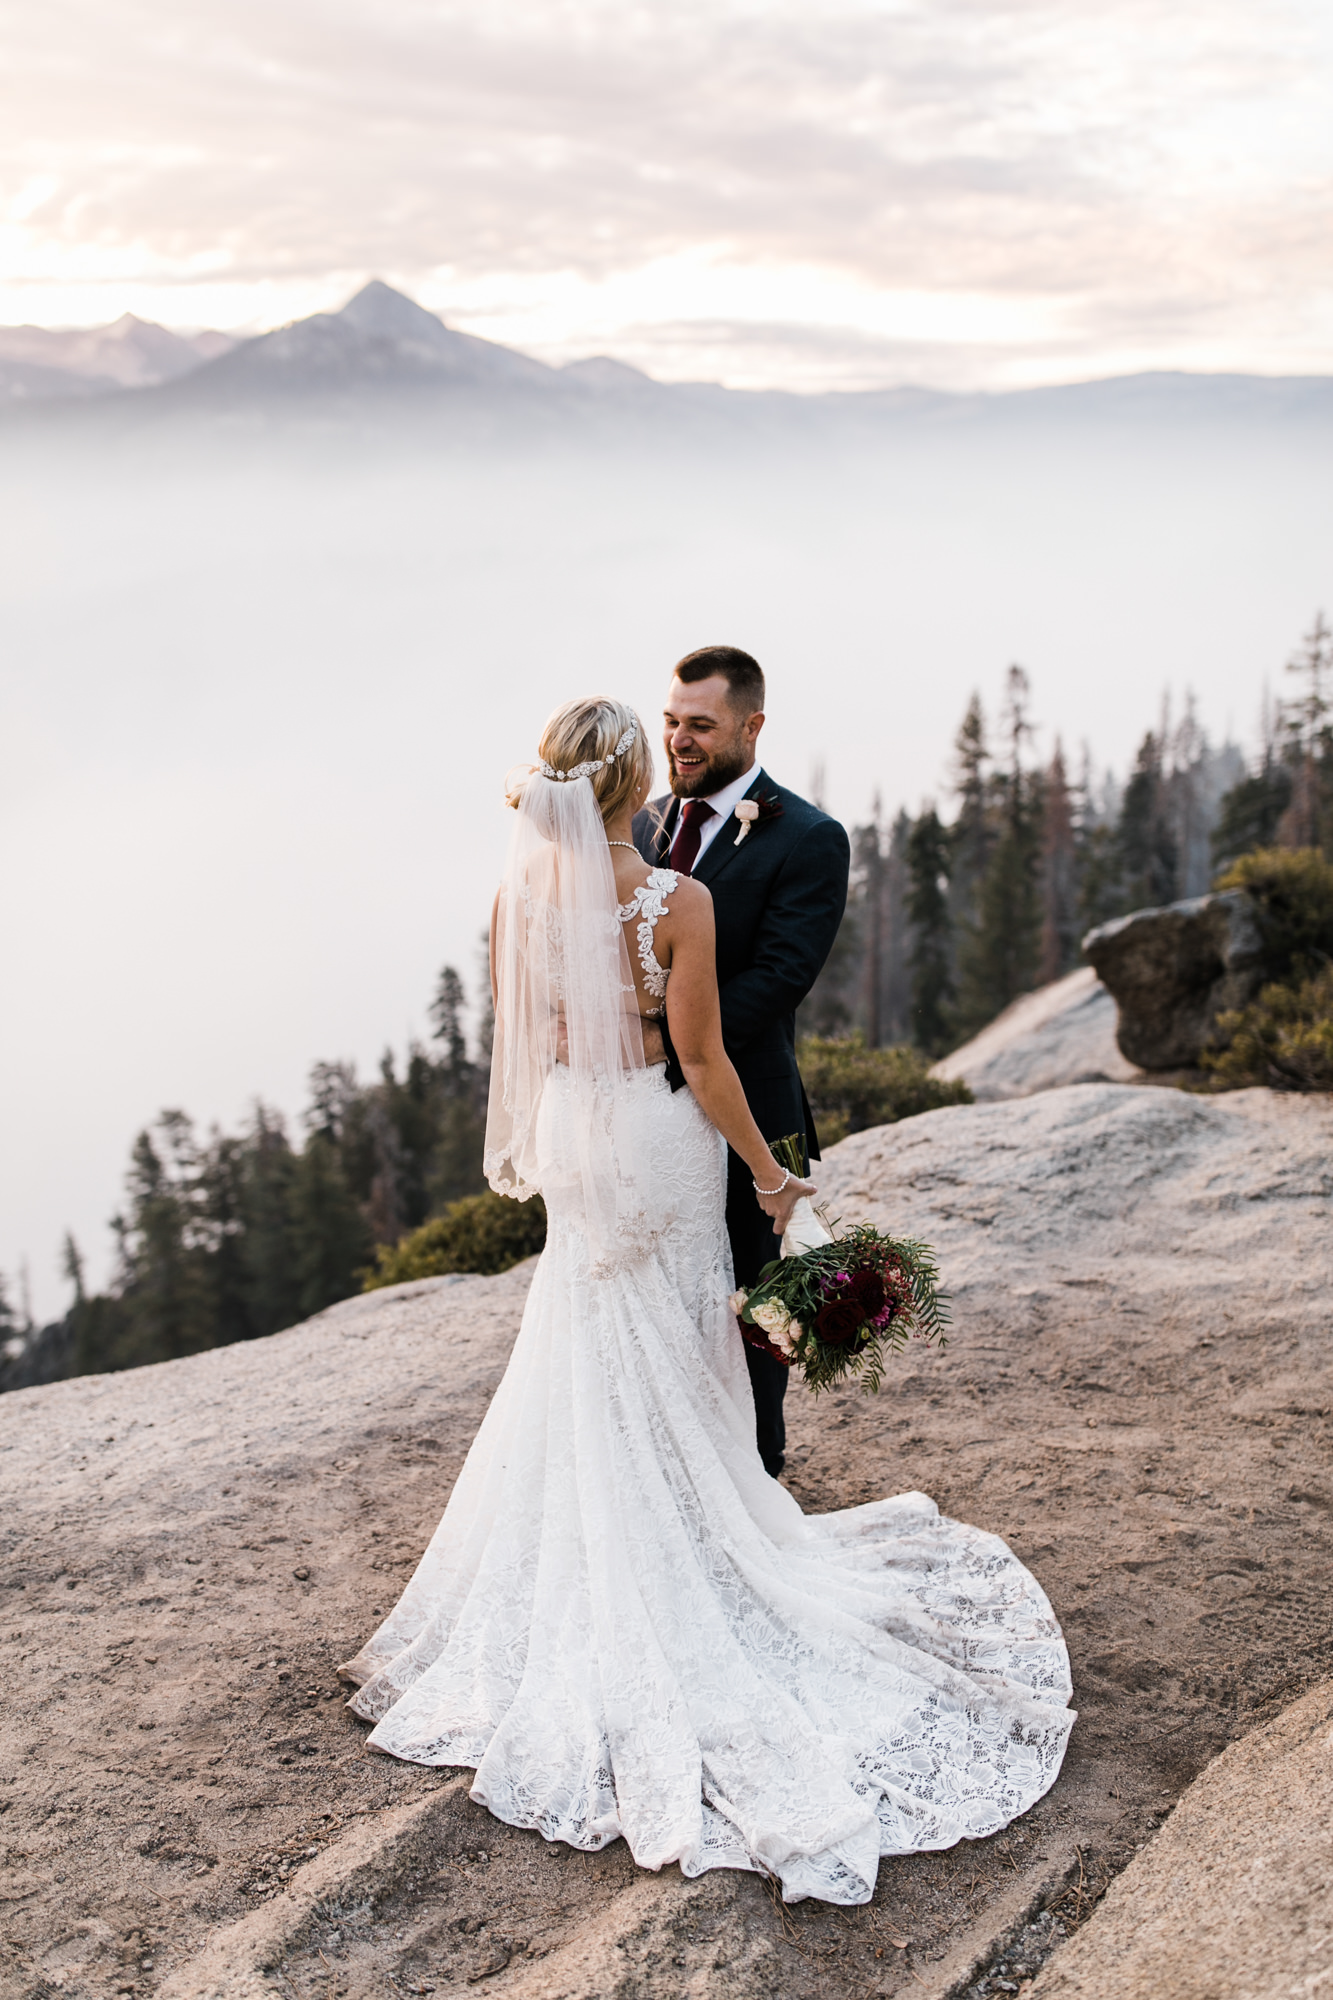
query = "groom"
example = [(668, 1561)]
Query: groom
[(777, 871)]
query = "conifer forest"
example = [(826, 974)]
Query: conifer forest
[(982, 896)]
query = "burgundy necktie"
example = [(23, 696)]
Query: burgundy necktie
[(694, 815)]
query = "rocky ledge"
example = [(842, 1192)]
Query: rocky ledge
[(1138, 1396)]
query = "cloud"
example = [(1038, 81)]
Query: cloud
[(1117, 185)]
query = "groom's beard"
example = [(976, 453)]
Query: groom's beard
[(718, 770)]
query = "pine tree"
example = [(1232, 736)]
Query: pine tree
[(455, 1164), (11, 1329), (269, 1170), (164, 1282), (971, 835), (1098, 864), (331, 1242), (865, 985), (1059, 876), (334, 1092), (1308, 820), (1145, 846), (868, 863), (896, 1001), (1251, 812), (929, 851), (446, 1013), (220, 1234), (998, 949), (486, 1012), (95, 1326), (71, 1266)]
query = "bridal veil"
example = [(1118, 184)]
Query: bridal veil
[(567, 1024)]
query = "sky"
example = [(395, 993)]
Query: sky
[(816, 194)]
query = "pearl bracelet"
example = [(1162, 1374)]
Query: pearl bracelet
[(786, 1176)]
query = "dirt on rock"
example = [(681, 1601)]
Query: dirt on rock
[(1138, 1396)]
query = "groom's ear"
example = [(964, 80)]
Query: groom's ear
[(753, 724)]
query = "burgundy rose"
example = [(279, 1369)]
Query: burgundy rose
[(839, 1322), (868, 1291)]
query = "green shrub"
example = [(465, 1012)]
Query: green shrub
[(481, 1234), (851, 1087), (1292, 888), (1283, 1039)]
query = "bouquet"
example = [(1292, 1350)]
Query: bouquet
[(839, 1306)]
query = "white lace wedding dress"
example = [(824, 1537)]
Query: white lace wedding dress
[(630, 1630)]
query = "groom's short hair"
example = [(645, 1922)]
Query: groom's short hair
[(743, 674)]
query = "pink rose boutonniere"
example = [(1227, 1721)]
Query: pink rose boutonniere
[(750, 810), (747, 812)]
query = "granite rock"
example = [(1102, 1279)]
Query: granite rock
[(1062, 1033), (1172, 971), (1234, 1897)]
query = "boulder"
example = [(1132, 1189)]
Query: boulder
[(1062, 1033), (1235, 1894), (1172, 971)]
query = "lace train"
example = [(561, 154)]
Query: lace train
[(629, 1629)]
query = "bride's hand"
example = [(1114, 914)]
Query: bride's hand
[(780, 1206)]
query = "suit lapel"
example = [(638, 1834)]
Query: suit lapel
[(722, 849), (666, 832)]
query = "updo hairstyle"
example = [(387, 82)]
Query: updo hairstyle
[(583, 731)]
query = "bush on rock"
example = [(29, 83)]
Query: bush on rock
[(481, 1235), (1292, 891), (852, 1087), (1283, 1039)]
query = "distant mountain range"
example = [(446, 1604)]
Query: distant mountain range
[(383, 350), (38, 363)]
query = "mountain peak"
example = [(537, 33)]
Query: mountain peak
[(380, 312), (603, 371)]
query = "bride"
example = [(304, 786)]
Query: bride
[(622, 1623)]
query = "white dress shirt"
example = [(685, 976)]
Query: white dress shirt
[(724, 804)]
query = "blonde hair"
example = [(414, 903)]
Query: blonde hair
[(587, 732)]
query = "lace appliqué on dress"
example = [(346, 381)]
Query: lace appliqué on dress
[(648, 903)]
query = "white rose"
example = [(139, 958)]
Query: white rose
[(737, 1302), (773, 1316), (785, 1340)]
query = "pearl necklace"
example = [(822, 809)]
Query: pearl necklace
[(623, 843)]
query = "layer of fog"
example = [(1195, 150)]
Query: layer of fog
[(257, 706)]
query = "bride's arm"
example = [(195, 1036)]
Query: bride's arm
[(695, 1021)]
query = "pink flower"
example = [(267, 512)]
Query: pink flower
[(747, 812)]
